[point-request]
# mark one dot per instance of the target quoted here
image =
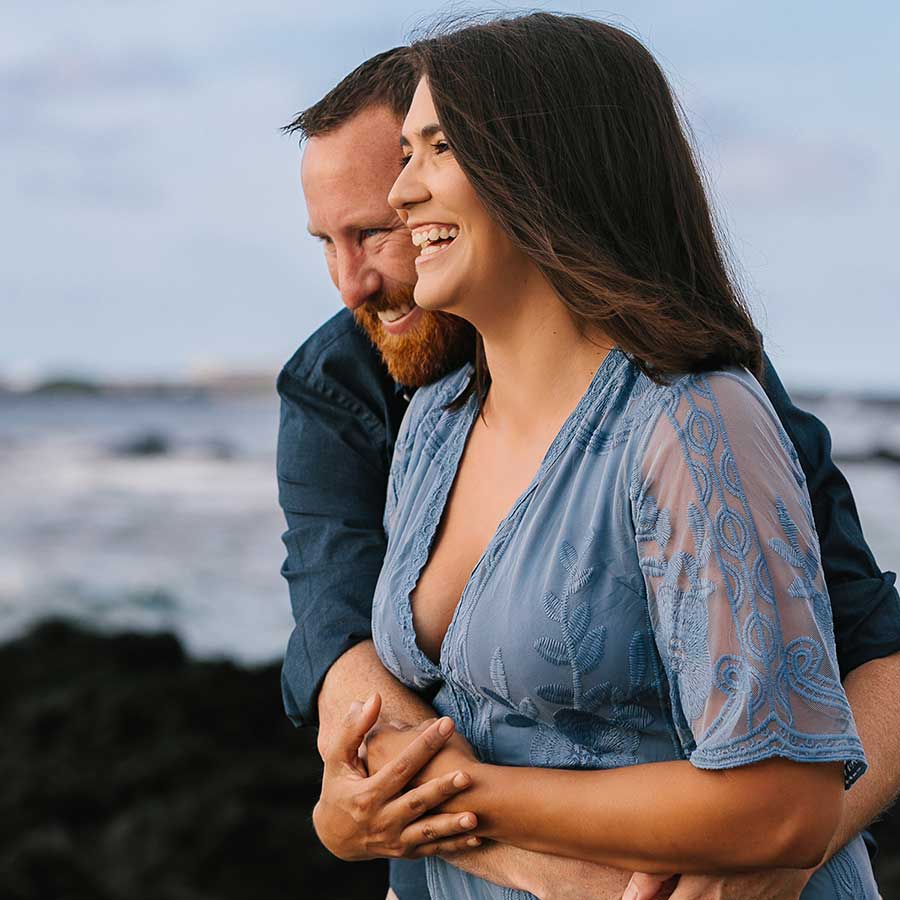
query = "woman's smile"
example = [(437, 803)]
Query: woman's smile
[(433, 240)]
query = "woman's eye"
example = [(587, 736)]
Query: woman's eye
[(440, 146), (404, 160)]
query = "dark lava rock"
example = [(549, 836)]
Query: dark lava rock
[(874, 455), (130, 771), (150, 443)]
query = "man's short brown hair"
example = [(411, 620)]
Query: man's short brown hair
[(387, 79)]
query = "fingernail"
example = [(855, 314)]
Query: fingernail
[(445, 727), (355, 707), (473, 841), (467, 821), (631, 893), (367, 706), (460, 779)]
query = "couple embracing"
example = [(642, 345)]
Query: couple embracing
[(583, 607)]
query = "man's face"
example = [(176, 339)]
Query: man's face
[(346, 175)]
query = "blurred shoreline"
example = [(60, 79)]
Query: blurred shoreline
[(235, 383), (254, 381), (152, 505)]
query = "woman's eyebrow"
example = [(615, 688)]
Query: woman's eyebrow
[(426, 132)]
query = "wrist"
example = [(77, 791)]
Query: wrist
[(482, 798)]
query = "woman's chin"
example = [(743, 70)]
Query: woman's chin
[(430, 299)]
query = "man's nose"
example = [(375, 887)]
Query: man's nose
[(357, 281)]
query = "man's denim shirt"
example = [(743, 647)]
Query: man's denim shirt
[(340, 414)]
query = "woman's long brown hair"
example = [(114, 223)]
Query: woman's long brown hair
[(569, 133)]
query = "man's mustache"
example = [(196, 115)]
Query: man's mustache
[(390, 298)]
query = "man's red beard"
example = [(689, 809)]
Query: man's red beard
[(437, 344)]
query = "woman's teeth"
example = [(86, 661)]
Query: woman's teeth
[(424, 237), (397, 312)]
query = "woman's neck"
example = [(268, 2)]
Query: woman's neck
[(540, 364)]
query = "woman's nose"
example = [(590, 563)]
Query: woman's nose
[(408, 189)]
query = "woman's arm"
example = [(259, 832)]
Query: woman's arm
[(656, 817), (661, 817)]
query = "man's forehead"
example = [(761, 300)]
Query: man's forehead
[(344, 204), (347, 173), (372, 134), (360, 165)]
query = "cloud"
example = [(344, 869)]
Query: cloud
[(805, 174), (68, 73)]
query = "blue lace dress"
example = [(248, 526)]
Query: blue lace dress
[(654, 594)]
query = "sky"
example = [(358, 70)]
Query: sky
[(152, 223)]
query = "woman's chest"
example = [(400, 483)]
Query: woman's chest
[(556, 590), (490, 478)]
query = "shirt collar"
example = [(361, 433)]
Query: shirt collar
[(404, 391)]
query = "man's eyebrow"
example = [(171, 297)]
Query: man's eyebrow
[(375, 223), (428, 131)]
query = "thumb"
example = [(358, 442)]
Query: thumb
[(359, 719)]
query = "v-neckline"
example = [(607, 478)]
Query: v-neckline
[(437, 503)]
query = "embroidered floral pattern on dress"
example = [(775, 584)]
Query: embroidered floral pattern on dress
[(844, 875), (581, 735)]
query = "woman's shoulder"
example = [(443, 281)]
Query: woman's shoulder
[(719, 420), (640, 406), (726, 397), (729, 398)]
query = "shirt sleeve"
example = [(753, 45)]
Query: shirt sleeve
[(864, 600), (332, 473), (737, 597)]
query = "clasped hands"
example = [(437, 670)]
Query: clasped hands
[(379, 804), (398, 791)]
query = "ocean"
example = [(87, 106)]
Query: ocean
[(159, 513)]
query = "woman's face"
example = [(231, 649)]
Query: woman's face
[(466, 262)]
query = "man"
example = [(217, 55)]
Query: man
[(342, 403)]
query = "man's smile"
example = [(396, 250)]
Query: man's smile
[(399, 319)]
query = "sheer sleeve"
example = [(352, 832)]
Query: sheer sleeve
[(737, 597)]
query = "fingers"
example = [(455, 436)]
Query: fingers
[(648, 887), (359, 719), (447, 846), (432, 831), (410, 806), (392, 778)]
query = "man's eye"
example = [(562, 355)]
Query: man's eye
[(369, 232)]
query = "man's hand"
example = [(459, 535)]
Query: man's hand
[(359, 816), (779, 884)]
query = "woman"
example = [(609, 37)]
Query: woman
[(601, 552)]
